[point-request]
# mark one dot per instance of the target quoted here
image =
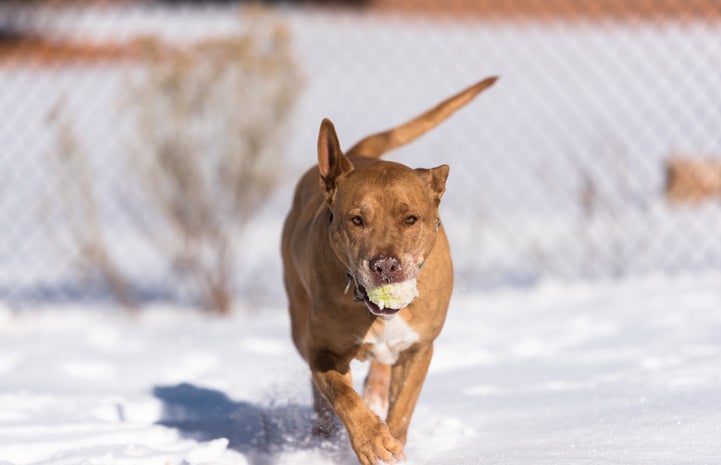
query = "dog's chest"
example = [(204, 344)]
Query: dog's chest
[(386, 339)]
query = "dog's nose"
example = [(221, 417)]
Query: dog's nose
[(386, 269)]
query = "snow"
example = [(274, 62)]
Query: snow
[(614, 372), (530, 369)]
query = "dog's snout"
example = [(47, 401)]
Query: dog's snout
[(385, 264), (386, 269)]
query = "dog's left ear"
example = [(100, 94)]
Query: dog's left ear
[(436, 178), (331, 161)]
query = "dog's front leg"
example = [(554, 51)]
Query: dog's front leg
[(407, 377), (369, 436)]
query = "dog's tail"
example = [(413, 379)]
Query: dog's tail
[(376, 145)]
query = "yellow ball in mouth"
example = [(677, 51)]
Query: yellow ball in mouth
[(395, 295)]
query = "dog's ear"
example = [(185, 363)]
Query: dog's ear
[(436, 178), (331, 161)]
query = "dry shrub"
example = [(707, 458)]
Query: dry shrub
[(76, 200), (209, 120), (204, 140), (692, 179)]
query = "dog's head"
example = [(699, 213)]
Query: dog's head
[(383, 215)]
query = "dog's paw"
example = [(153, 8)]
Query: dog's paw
[(377, 446)]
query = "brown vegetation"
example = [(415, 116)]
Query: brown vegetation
[(693, 179), (40, 51), (204, 149), (206, 145), (556, 10)]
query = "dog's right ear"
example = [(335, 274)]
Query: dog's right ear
[(331, 161)]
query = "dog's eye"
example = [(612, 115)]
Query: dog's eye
[(357, 220), (411, 219)]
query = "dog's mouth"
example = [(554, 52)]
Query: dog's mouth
[(373, 308)]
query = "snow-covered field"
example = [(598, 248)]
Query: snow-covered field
[(544, 373), (615, 373)]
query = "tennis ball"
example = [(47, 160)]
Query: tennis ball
[(395, 295)]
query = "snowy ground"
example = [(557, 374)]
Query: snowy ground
[(623, 372)]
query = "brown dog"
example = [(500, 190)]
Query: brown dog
[(359, 221)]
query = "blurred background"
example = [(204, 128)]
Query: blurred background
[(149, 149)]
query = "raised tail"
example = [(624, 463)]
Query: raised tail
[(377, 144)]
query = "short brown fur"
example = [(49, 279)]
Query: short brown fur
[(350, 212)]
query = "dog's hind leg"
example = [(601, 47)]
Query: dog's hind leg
[(376, 388)]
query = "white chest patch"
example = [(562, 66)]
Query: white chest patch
[(388, 338)]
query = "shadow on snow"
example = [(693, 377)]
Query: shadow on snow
[(259, 432)]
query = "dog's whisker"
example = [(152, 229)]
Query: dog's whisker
[(347, 285)]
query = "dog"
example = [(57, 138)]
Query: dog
[(360, 222)]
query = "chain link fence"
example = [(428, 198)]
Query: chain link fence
[(595, 156)]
